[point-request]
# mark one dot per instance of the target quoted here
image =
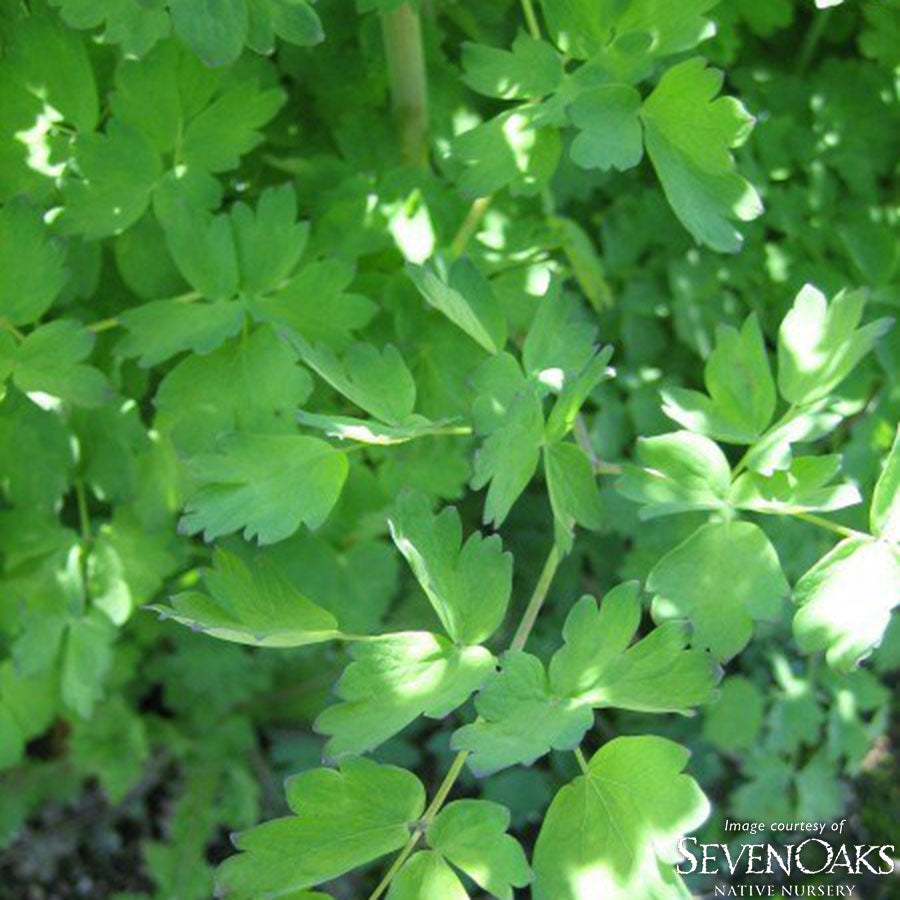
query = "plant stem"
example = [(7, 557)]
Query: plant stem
[(84, 518), (531, 19), (842, 530), (115, 322), (446, 786), (583, 439), (402, 33), (582, 762), (470, 225), (537, 600), (811, 39), (396, 865)]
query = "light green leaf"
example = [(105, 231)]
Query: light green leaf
[(426, 876), (256, 606), (655, 674), (269, 241), (87, 657), (471, 834), (251, 384), (531, 70), (866, 570), (884, 514), (343, 819), (464, 296), (377, 381), (468, 584), (734, 721), (520, 718), (118, 170), (368, 431), (33, 269), (395, 679), (266, 485), (27, 707), (509, 456), (689, 136), (681, 471), (50, 359), (741, 390), (613, 832), (215, 30), (575, 393), (819, 343), (162, 328), (803, 487), (607, 119), (721, 578), (574, 496)]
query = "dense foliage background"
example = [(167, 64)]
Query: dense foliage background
[(213, 214)]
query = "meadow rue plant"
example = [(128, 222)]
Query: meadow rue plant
[(503, 396)]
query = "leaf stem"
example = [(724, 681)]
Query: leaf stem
[(822, 522), (582, 762), (402, 33), (114, 322), (583, 439), (534, 29), (470, 225), (6, 325), (537, 600), (396, 865), (84, 518)]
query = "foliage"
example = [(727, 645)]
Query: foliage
[(598, 363)]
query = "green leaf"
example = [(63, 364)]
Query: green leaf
[(250, 384), (27, 707), (859, 567), (884, 515), (118, 170), (368, 431), (741, 390), (509, 456), (734, 721), (343, 819), (689, 136), (425, 876), (613, 832), (681, 471), (531, 70), (655, 674), (819, 343), (468, 584), (520, 718), (135, 26), (215, 30), (163, 328), (264, 484), (377, 381), (803, 487), (609, 127), (49, 360), (33, 270), (464, 296), (87, 658), (256, 606), (574, 496), (721, 578), (270, 241), (395, 679), (202, 245), (471, 834), (509, 150), (296, 22), (575, 393)]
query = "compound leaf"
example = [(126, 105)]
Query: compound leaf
[(866, 570), (607, 118), (395, 679), (721, 578), (613, 831), (256, 606), (468, 584), (343, 818), (265, 484)]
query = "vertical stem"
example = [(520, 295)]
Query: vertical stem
[(536, 601), (402, 31), (470, 225), (582, 762), (531, 19)]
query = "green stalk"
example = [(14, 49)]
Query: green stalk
[(402, 32)]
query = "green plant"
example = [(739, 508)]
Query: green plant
[(261, 342)]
